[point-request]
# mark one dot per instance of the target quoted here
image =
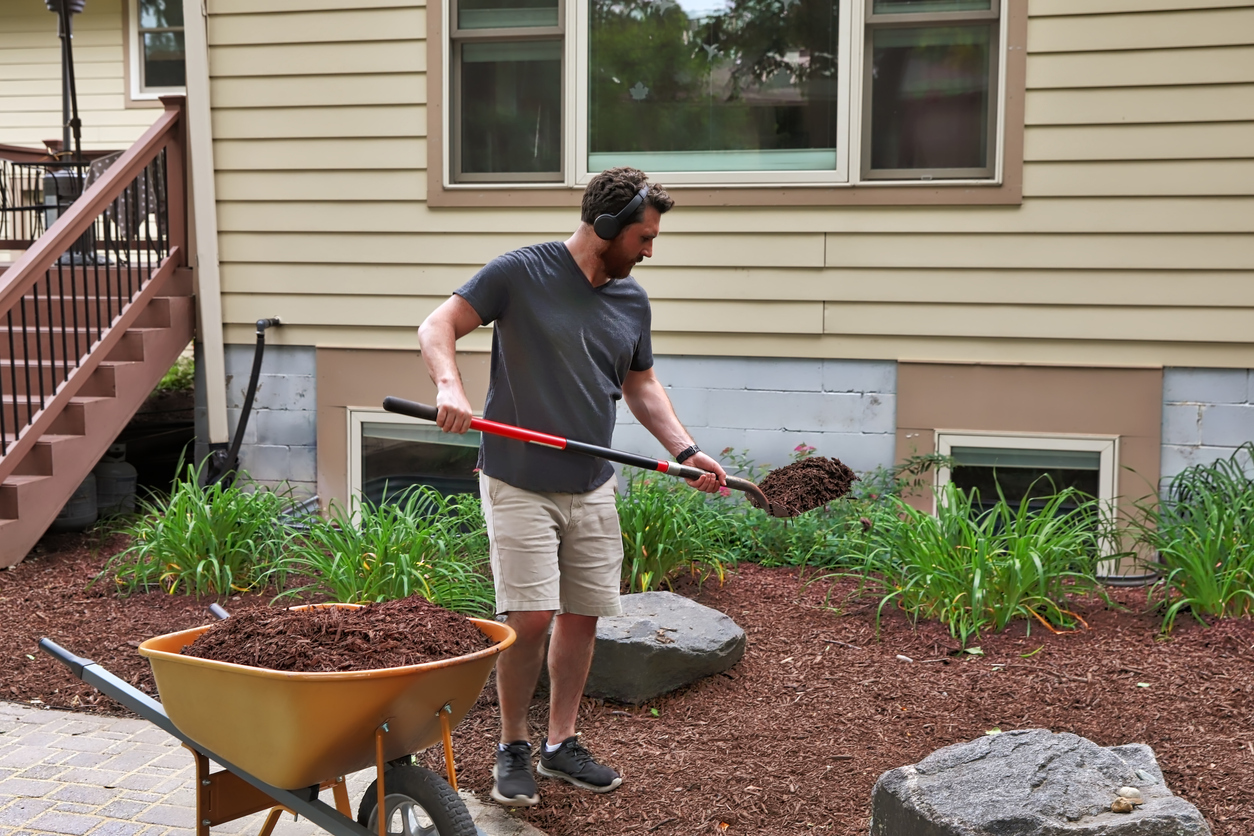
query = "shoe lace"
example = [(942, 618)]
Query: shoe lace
[(581, 756), (519, 757)]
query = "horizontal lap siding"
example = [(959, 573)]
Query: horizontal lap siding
[(1134, 243), (30, 77)]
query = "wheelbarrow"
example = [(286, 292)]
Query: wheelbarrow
[(282, 737), (754, 494)]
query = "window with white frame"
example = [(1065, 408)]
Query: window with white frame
[(735, 92), (1029, 466), (157, 51), (390, 453)]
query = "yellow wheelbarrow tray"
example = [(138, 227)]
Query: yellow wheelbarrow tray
[(290, 734)]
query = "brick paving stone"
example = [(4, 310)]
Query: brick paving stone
[(21, 811), (37, 737), (127, 761), (171, 760), (140, 783), (41, 771), (168, 815), (65, 823), (22, 756), (152, 734), (172, 784), (88, 759), (121, 809), (117, 828), (27, 787), (91, 777), (146, 797), (82, 744), (74, 807), (83, 794)]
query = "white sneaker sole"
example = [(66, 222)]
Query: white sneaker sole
[(562, 776)]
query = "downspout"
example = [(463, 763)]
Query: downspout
[(205, 214)]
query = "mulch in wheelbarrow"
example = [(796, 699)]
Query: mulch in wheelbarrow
[(392, 634), (807, 484)]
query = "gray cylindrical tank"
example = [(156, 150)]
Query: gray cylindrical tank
[(115, 483), (80, 511)]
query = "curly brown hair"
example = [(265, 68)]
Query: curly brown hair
[(613, 189)]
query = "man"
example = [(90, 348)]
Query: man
[(570, 337)]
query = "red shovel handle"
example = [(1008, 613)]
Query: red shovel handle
[(429, 413)]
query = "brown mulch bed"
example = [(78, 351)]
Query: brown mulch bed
[(790, 740)]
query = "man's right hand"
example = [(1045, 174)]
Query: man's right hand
[(453, 412)]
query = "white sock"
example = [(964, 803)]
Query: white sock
[(548, 750)]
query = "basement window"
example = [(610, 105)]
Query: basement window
[(390, 454), (1028, 467)]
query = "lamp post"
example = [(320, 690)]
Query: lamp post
[(65, 10)]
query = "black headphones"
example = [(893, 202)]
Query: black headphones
[(607, 227)]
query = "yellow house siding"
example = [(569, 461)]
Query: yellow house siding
[(30, 76), (1134, 243)]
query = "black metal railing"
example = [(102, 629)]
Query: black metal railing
[(69, 291)]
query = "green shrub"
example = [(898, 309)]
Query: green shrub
[(204, 540), (977, 572), (426, 544), (1203, 534), (181, 376)]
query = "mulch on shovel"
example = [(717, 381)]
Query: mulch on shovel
[(807, 484), (410, 631)]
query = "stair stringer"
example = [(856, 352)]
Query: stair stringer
[(31, 498)]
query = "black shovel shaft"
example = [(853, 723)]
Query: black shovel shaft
[(428, 413)]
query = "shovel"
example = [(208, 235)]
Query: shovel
[(428, 413)]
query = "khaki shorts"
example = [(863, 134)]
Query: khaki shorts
[(554, 551)]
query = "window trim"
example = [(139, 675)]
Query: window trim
[(136, 93), (358, 417), (996, 126), (1105, 445), (1007, 189)]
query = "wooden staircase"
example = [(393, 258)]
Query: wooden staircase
[(84, 342)]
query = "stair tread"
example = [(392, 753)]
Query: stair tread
[(18, 480)]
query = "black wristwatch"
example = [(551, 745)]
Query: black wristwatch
[(687, 453)]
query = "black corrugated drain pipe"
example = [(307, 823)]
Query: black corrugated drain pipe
[(224, 464)]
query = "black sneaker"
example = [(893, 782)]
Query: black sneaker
[(515, 785), (575, 765)]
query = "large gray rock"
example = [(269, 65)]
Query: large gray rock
[(1030, 783), (661, 642)]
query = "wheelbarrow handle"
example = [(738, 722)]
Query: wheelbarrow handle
[(428, 413)]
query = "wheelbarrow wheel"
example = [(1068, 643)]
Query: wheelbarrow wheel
[(418, 803)]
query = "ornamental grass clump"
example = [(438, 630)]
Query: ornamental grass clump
[(669, 528), (1203, 535), (976, 572), (204, 540), (425, 544)]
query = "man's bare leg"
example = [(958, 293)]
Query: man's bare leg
[(518, 671), (570, 658)]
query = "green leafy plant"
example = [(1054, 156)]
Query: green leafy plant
[(202, 540), (1203, 534), (426, 544), (975, 572), (668, 528), (181, 376)]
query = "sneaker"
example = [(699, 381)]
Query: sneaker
[(575, 765), (515, 785)]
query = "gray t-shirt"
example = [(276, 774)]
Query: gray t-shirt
[(561, 350)]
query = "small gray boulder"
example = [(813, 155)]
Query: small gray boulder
[(661, 642), (1030, 783)]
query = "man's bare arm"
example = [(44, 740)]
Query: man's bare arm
[(438, 336), (647, 400)]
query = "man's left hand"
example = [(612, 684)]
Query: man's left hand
[(711, 481)]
